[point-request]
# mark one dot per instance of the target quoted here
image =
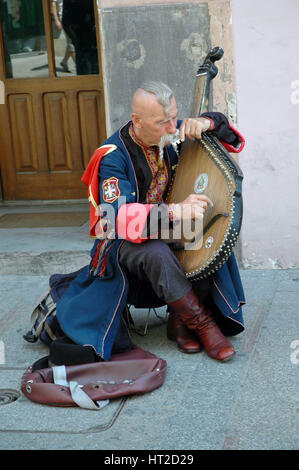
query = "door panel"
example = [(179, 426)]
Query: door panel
[(50, 125), (22, 131), (57, 132)]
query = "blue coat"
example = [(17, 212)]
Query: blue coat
[(89, 312)]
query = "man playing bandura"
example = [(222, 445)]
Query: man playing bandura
[(131, 173)]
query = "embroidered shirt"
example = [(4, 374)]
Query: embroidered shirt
[(157, 167)]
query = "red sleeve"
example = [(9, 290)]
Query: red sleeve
[(231, 148), (90, 179), (131, 220), (230, 138)]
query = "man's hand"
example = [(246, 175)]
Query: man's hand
[(193, 128), (194, 207)]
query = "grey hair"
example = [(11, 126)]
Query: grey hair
[(161, 91)]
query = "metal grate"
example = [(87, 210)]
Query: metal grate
[(8, 395)]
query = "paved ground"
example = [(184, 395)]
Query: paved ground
[(251, 402)]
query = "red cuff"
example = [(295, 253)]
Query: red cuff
[(229, 147), (131, 221), (212, 123)]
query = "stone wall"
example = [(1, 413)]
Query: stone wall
[(165, 41)]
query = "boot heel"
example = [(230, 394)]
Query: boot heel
[(178, 332)]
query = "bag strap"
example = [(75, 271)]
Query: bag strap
[(37, 313), (78, 395)]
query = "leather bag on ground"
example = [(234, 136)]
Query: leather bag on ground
[(133, 372)]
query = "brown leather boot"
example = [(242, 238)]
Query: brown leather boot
[(195, 317), (177, 331)]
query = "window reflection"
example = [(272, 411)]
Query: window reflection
[(24, 42), (65, 56), (23, 38), (79, 24)]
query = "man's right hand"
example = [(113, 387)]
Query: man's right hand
[(194, 207)]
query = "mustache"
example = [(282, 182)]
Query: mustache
[(169, 139)]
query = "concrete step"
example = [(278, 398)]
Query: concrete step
[(44, 250)]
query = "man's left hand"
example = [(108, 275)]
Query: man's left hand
[(193, 128)]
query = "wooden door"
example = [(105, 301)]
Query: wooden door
[(51, 120)]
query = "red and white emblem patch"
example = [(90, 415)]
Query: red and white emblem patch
[(110, 189)]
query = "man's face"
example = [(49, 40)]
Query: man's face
[(153, 123)]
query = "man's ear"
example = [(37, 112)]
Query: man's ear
[(136, 119)]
